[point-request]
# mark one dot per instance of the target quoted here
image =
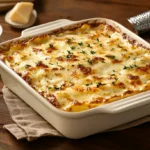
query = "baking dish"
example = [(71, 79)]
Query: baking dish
[(74, 125)]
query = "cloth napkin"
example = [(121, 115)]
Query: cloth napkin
[(29, 125)]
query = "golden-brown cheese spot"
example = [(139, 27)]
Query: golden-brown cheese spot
[(116, 61), (41, 64), (36, 49), (27, 79), (97, 59), (98, 78), (69, 57), (85, 70), (145, 69), (135, 80), (40, 39), (51, 98)]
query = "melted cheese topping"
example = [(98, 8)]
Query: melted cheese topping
[(82, 68)]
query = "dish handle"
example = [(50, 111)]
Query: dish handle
[(45, 27), (126, 104)]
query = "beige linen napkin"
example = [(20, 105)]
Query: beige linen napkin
[(28, 124)]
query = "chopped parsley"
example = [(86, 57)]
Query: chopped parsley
[(69, 52), (97, 40), (69, 41), (101, 45), (110, 56), (99, 84), (89, 46), (73, 47), (116, 79), (83, 52), (113, 83), (57, 88), (109, 36), (90, 62), (92, 52), (39, 63), (88, 84), (50, 88), (135, 66), (125, 67), (67, 56), (81, 44), (130, 67), (112, 75), (59, 65), (27, 66), (51, 46)]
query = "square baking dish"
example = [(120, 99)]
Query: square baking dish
[(77, 124)]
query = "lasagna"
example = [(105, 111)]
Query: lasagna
[(83, 67)]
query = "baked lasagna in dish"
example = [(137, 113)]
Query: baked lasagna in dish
[(82, 67)]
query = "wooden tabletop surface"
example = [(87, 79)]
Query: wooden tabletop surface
[(137, 138)]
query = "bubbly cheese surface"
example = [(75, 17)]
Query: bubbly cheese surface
[(21, 12), (82, 68)]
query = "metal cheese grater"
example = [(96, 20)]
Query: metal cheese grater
[(141, 22)]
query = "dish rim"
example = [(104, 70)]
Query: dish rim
[(118, 106)]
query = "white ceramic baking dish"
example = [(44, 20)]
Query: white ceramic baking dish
[(78, 124)]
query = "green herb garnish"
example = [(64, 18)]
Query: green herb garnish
[(99, 84), (100, 45), (110, 56), (92, 52), (50, 88), (130, 67), (69, 41), (67, 56), (73, 47), (116, 79), (83, 52), (109, 36), (27, 66), (89, 46), (90, 62), (81, 44), (57, 88), (125, 67), (51, 46), (69, 52)]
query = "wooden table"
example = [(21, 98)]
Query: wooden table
[(49, 10)]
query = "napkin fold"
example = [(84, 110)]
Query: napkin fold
[(29, 125)]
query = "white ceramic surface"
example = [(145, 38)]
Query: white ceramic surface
[(1, 30), (78, 124), (18, 25)]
